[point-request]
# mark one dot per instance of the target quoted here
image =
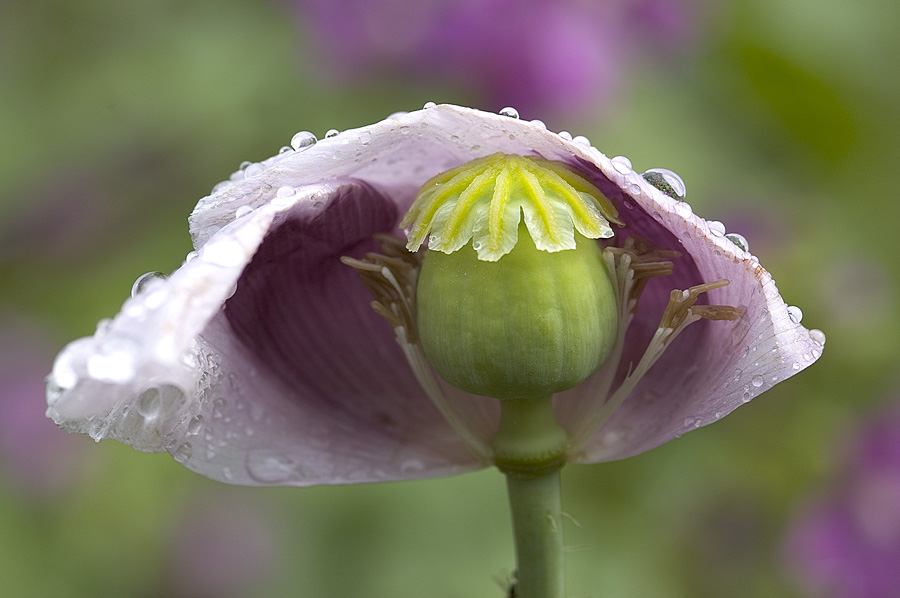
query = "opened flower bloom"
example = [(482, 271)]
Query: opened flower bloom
[(429, 295)]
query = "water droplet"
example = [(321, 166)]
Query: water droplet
[(242, 211), (565, 135), (144, 281), (331, 133), (622, 164), (739, 241), (227, 474), (817, 336), (737, 374), (795, 365), (746, 396), (692, 422), (756, 381), (429, 105), (582, 140), (285, 191), (683, 209), (148, 403), (195, 425), (244, 165), (666, 181), (745, 351), (538, 123), (303, 140), (183, 452), (509, 111), (716, 227), (285, 149), (253, 170), (114, 361), (269, 467), (795, 313)]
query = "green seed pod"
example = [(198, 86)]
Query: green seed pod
[(531, 321)]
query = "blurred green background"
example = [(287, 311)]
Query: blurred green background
[(116, 117)]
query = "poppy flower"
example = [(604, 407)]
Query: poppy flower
[(261, 361)]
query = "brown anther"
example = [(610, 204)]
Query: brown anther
[(391, 279), (681, 304)]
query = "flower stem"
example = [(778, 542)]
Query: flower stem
[(537, 524), (530, 448)]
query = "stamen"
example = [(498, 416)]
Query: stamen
[(632, 265), (391, 279)]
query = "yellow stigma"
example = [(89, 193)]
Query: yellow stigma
[(483, 200)]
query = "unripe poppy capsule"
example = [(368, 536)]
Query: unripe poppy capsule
[(528, 308)]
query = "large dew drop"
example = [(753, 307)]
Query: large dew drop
[(666, 181), (270, 467), (739, 241), (145, 281), (303, 140)]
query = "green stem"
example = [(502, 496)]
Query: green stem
[(537, 524), (530, 448)]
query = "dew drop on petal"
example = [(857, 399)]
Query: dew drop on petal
[(195, 425), (746, 396), (565, 135), (285, 191), (666, 181), (253, 170), (582, 140), (429, 105), (183, 452), (739, 241), (331, 133), (285, 149), (270, 467), (756, 381), (509, 111), (621, 164), (683, 209), (303, 140), (148, 403), (795, 313), (144, 281), (745, 351), (817, 336), (242, 211), (716, 228), (538, 123)]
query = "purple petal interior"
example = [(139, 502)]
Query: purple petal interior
[(305, 317)]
